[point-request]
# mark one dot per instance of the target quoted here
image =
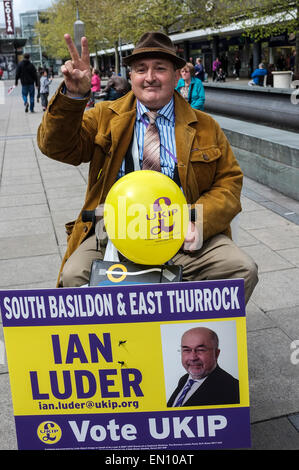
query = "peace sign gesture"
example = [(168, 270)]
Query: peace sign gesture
[(76, 72)]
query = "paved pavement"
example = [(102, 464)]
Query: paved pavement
[(38, 195)]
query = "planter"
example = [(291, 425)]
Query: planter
[(282, 79), (261, 105)]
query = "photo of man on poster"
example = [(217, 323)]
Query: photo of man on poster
[(205, 383)]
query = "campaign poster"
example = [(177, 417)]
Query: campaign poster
[(102, 367)]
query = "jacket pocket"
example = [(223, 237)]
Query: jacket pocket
[(204, 163), (207, 155)]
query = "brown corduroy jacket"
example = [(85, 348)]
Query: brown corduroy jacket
[(208, 171)]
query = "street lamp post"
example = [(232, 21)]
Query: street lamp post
[(78, 30)]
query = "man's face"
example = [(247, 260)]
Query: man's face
[(153, 82), (199, 352)]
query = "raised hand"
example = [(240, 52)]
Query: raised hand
[(76, 72)]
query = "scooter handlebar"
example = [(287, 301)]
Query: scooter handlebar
[(88, 216)]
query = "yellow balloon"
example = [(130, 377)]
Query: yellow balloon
[(146, 217)]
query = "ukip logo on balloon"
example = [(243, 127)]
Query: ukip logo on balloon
[(161, 216)]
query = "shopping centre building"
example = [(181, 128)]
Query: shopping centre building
[(225, 43)]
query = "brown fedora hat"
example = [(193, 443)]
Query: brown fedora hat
[(154, 44)]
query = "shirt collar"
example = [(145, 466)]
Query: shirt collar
[(198, 381), (166, 111)]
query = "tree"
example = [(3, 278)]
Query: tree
[(54, 23), (170, 16), (106, 21), (265, 18), (161, 15)]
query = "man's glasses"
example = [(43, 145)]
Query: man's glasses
[(200, 350)]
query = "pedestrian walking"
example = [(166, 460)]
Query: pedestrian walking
[(237, 66), (95, 87), (40, 71), (44, 89), (26, 72), (199, 70), (1, 73), (216, 65)]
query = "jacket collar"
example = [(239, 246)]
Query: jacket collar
[(124, 105)]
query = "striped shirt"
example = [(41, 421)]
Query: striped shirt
[(166, 125)]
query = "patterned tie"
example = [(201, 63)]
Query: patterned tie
[(151, 149), (184, 392)]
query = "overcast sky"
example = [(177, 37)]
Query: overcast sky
[(21, 6)]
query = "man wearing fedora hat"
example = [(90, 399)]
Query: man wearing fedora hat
[(192, 150)]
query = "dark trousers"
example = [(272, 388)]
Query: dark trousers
[(28, 90), (44, 99)]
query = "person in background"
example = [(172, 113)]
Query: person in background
[(116, 88), (199, 70), (26, 72), (44, 89), (281, 63), (258, 76), (216, 65), (271, 68), (220, 76), (95, 86), (191, 88), (40, 71), (292, 61), (1, 73), (237, 66)]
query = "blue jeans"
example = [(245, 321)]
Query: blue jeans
[(28, 89)]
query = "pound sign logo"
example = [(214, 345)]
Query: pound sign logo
[(162, 216), (49, 432)]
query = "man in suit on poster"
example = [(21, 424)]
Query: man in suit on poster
[(205, 382)]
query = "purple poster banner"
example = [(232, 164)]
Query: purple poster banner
[(123, 304), (179, 430)]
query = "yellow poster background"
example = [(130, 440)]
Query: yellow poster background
[(134, 346)]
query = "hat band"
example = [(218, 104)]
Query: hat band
[(149, 50)]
